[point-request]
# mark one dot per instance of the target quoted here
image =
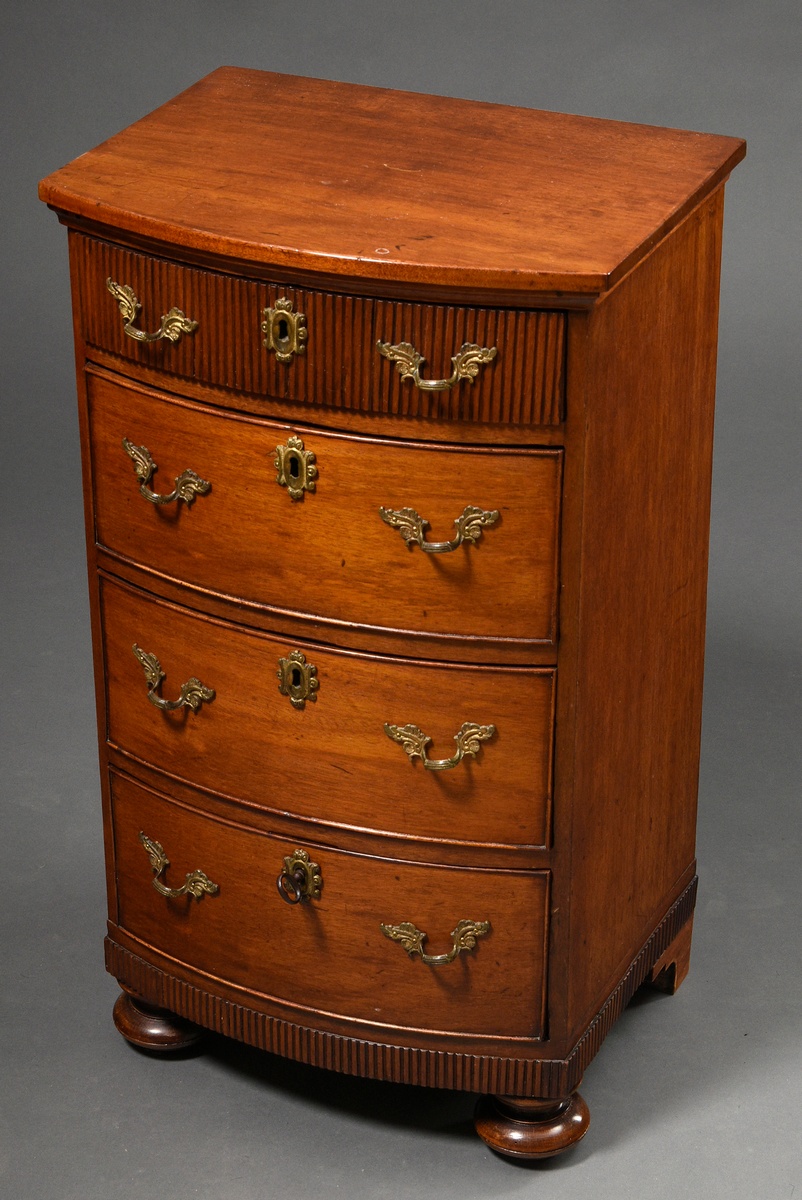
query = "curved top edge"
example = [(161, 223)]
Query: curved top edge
[(349, 181)]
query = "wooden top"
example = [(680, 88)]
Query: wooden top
[(361, 182)]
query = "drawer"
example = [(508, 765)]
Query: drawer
[(331, 951), (329, 758), (329, 553), (340, 364)]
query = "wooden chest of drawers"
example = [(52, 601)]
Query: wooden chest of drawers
[(397, 418)]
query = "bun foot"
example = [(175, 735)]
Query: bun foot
[(520, 1128), (153, 1028)]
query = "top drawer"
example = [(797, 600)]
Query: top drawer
[(340, 365)]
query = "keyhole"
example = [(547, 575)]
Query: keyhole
[(283, 329), (296, 677), (295, 466)]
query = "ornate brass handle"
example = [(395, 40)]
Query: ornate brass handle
[(188, 484), (300, 878), (192, 693), (408, 362), (414, 742), (412, 939), (173, 323), (411, 525), (197, 883)]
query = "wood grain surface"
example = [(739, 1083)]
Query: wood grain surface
[(650, 394), (340, 367), (341, 179), (331, 953), (332, 761), (330, 554)]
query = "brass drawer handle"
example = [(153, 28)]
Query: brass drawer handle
[(192, 693), (411, 939), (408, 362), (197, 883), (299, 879), (411, 525), (188, 484), (414, 742), (173, 323)]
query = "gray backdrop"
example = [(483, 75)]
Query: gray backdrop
[(690, 1096)]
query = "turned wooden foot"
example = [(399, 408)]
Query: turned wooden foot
[(522, 1128), (672, 966), (153, 1028)]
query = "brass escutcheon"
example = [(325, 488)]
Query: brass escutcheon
[(297, 679), (408, 362), (285, 330), (295, 468), (173, 323), (300, 879), (463, 937), (196, 883)]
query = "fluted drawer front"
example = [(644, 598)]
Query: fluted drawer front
[(330, 758), (329, 553), (340, 365), (319, 953)]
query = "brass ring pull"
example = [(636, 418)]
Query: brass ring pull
[(290, 887), (411, 525), (300, 879), (197, 883), (414, 741), (408, 362), (188, 484), (411, 939), (192, 693), (173, 323)]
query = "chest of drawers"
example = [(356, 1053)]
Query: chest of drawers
[(396, 417)]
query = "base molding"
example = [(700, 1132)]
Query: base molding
[(542, 1077)]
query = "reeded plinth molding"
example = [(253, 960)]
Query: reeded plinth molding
[(542, 1077)]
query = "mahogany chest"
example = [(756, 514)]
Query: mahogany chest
[(396, 418)]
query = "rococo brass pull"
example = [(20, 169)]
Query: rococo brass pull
[(300, 878), (188, 484), (173, 323), (408, 362), (411, 525), (197, 883), (411, 939), (192, 693), (414, 742)]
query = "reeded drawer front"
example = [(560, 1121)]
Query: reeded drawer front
[(329, 758), (339, 364), (331, 952), (329, 552)]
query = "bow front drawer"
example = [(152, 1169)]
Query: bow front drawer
[(321, 348), (448, 541), (479, 969), (347, 739)]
